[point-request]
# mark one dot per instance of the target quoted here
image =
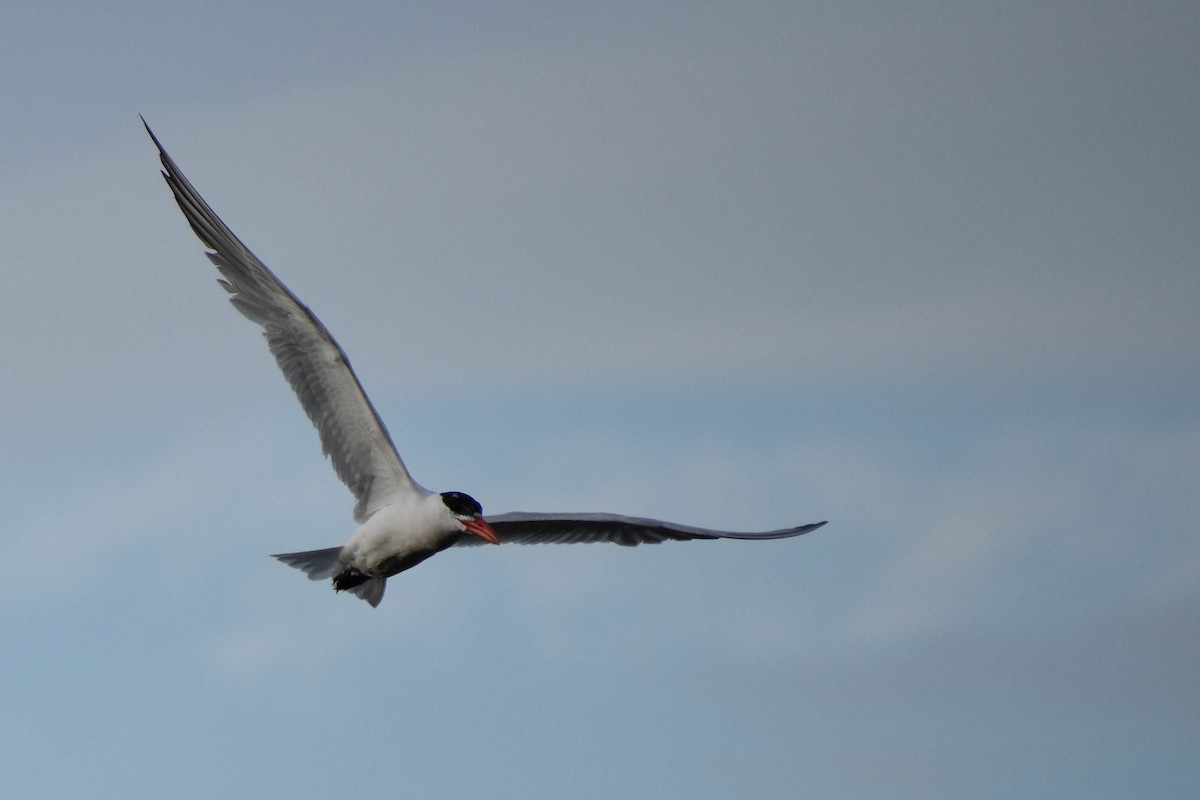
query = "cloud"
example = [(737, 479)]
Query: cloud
[(286, 624), (193, 494), (571, 221), (1032, 526), (453, 239)]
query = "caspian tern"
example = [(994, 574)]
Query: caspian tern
[(401, 523)]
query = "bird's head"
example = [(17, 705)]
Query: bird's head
[(469, 514)]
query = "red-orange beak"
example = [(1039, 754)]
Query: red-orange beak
[(479, 527)]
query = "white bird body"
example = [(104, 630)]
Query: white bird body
[(400, 522), (410, 525), (400, 535)]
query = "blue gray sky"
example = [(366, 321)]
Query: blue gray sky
[(927, 272)]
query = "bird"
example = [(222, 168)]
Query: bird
[(400, 522)]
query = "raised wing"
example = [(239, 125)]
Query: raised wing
[(352, 434), (521, 527)]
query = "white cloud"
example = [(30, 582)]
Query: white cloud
[(1029, 526)]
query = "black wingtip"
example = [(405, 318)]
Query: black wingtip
[(809, 528), (146, 125), (162, 153), (168, 165)]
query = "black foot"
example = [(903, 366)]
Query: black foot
[(348, 579)]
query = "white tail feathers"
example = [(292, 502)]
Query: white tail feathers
[(322, 564), (371, 591), (316, 564)]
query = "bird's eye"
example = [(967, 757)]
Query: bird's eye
[(462, 504)]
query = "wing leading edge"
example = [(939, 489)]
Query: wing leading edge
[(351, 432)]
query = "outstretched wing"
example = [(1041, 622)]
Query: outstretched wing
[(352, 435), (521, 527)]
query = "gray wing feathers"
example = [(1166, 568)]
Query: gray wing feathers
[(521, 527), (351, 432)]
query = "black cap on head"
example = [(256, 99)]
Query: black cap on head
[(462, 504)]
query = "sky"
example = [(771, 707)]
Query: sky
[(926, 270)]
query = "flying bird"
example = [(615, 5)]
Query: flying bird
[(401, 523)]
